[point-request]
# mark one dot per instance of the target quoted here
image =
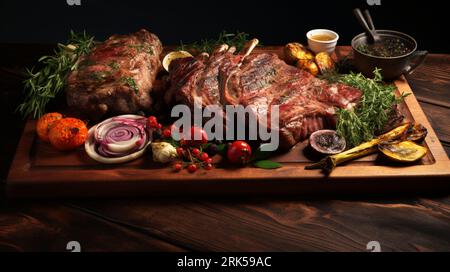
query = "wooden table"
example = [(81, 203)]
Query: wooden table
[(399, 223)]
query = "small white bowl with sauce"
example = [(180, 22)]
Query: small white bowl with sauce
[(322, 40)]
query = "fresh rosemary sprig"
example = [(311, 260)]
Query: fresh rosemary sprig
[(45, 84), (237, 40), (132, 83), (378, 101)]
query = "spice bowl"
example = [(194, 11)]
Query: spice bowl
[(391, 67)]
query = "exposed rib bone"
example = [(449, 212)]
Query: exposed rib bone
[(220, 49), (225, 75), (232, 50), (248, 48)]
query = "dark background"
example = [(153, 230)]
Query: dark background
[(273, 22)]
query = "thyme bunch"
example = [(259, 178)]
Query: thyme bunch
[(237, 40), (378, 101), (44, 84)]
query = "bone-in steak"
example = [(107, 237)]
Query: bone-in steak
[(116, 76), (306, 104)]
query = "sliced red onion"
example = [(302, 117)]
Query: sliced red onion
[(119, 137)]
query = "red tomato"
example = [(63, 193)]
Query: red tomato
[(152, 122), (68, 134), (239, 152), (45, 123), (192, 168)]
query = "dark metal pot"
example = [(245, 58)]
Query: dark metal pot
[(391, 67)]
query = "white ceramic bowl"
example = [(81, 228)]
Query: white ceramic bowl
[(322, 46)]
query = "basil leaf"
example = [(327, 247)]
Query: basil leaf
[(266, 164), (221, 149)]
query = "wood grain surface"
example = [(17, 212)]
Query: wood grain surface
[(418, 222)]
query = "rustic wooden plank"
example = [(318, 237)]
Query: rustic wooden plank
[(447, 149), (49, 226), (440, 120), (431, 81), (288, 225)]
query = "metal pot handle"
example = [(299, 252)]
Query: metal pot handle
[(417, 59)]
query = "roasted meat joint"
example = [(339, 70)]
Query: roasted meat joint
[(306, 103), (117, 76)]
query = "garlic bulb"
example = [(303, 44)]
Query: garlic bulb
[(163, 152)]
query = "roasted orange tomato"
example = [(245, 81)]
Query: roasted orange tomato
[(44, 123), (68, 134)]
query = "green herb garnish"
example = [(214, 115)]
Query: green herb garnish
[(45, 84), (377, 103), (114, 65), (266, 164), (142, 47), (238, 40), (132, 83)]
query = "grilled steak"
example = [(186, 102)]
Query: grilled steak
[(306, 104), (117, 76)]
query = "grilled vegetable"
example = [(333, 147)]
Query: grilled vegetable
[(67, 134), (327, 142), (324, 62), (419, 133), (45, 123), (173, 56), (329, 163), (163, 152), (308, 65), (406, 151), (294, 52)]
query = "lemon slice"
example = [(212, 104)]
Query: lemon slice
[(172, 56)]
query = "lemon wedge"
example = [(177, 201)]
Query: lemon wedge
[(172, 56)]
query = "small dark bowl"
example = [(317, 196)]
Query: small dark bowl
[(391, 67)]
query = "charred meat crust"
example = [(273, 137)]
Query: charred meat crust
[(306, 103), (117, 76)]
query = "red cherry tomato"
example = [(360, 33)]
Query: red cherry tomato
[(167, 133), (180, 152), (177, 167), (152, 122), (195, 152), (239, 152), (192, 168), (204, 157)]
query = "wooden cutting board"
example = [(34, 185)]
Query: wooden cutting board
[(38, 171)]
